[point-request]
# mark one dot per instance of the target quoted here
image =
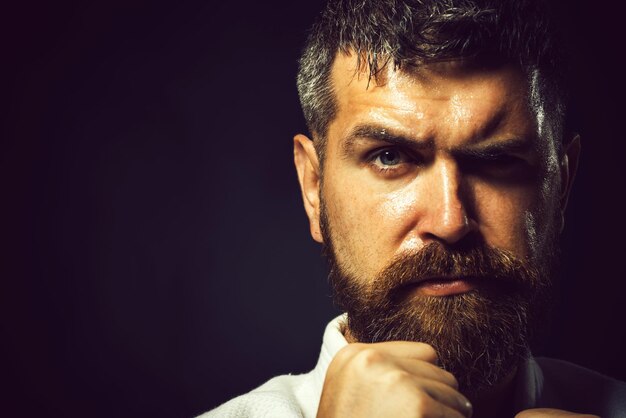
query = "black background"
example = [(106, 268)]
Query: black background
[(156, 258)]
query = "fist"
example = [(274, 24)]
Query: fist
[(551, 413), (390, 379)]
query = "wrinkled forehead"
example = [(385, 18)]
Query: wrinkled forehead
[(458, 91), (441, 80)]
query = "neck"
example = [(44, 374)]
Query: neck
[(498, 401)]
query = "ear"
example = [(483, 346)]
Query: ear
[(568, 167), (308, 168)]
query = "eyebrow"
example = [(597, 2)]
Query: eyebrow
[(382, 134), (494, 150), (485, 152), (366, 132)]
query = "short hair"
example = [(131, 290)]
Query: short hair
[(405, 32)]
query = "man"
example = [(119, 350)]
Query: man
[(436, 177)]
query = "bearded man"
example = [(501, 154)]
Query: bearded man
[(436, 178)]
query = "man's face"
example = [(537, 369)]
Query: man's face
[(439, 162), (471, 162)]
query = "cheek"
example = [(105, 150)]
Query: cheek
[(507, 218), (368, 225), (399, 213), (517, 219)]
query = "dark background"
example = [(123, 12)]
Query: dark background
[(156, 258)]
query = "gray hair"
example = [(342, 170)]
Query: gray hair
[(404, 32)]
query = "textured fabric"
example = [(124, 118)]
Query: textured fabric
[(290, 395), (540, 383)]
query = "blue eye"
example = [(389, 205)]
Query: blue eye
[(389, 157)]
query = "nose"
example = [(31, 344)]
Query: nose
[(446, 217)]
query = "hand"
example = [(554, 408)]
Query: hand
[(391, 379), (550, 413)]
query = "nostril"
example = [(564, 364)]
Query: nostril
[(449, 226)]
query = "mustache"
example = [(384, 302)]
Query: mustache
[(479, 261)]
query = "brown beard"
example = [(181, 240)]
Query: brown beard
[(480, 336)]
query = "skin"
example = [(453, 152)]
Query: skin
[(455, 174)]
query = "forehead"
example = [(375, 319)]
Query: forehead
[(442, 101)]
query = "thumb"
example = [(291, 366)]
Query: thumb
[(551, 413)]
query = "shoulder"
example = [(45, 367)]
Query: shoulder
[(582, 389), (288, 395), (278, 397)]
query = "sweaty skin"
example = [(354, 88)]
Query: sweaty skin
[(433, 154)]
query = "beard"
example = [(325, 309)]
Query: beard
[(481, 336)]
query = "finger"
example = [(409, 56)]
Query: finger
[(408, 349), (445, 395), (447, 412), (415, 358), (427, 370)]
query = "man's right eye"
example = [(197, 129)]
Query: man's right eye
[(389, 158), (390, 161)]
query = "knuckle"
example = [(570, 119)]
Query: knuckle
[(368, 357), (358, 357), (397, 377), (451, 379), (428, 351), (347, 352), (343, 354)]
